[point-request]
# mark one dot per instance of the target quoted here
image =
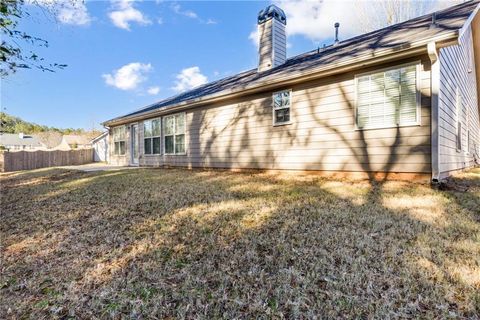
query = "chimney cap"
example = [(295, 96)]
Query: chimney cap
[(272, 11)]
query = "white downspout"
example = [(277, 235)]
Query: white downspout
[(435, 87)]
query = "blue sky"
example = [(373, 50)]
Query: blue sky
[(123, 55)]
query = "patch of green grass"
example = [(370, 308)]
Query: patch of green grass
[(42, 304)]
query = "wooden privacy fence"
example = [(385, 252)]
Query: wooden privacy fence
[(27, 160)]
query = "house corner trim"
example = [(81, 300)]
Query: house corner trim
[(435, 91)]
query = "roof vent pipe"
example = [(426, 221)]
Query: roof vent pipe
[(336, 25), (434, 20)]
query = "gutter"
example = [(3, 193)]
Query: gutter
[(445, 40), (469, 21), (435, 92)]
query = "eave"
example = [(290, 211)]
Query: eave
[(380, 56)]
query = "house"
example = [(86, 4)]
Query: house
[(20, 142), (100, 147), (72, 141), (50, 139), (399, 102)]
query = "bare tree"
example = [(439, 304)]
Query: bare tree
[(16, 46), (373, 15)]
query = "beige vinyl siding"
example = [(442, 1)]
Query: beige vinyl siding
[(238, 133), (454, 73), (265, 45)]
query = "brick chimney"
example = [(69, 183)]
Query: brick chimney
[(272, 40)]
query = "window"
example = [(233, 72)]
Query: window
[(388, 98), (119, 140), (281, 107), (151, 135), (174, 132), (467, 145), (458, 110)]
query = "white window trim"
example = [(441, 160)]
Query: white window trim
[(184, 132), (159, 136), (128, 130), (124, 140), (417, 65), (290, 109)]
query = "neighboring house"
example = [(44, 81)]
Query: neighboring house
[(50, 139), (20, 141), (397, 102), (71, 141), (100, 147)]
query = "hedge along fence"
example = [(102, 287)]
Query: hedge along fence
[(27, 160)]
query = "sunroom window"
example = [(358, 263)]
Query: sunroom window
[(174, 132), (119, 140), (387, 98), (281, 107), (151, 135)]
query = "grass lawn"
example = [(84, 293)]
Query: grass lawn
[(156, 243)]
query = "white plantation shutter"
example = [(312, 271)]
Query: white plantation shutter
[(391, 97), (408, 95), (387, 98)]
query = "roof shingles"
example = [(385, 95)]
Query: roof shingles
[(394, 36)]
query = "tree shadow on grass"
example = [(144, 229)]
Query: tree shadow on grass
[(203, 244)]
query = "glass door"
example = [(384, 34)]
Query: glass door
[(134, 144)]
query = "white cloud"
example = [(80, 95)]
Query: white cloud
[(153, 91), (187, 13), (253, 36), (123, 13), (314, 19), (177, 8), (189, 78), (129, 76), (74, 13)]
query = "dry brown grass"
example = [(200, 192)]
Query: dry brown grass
[(153, 243)]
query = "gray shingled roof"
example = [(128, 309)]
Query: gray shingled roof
[(13, 139), (76, 139), (395, 36)]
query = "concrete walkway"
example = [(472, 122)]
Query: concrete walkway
[(97, 166)]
